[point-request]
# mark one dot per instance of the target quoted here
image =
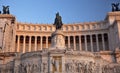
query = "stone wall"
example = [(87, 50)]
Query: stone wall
[(74, 62), (7, 31)]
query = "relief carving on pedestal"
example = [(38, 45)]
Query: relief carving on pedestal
[(56, 64), (75, 66), (28, 68)]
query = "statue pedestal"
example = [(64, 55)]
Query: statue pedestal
[(56, 52), (56, 61), (58, 40)]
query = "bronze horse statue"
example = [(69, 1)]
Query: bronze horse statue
[(58, 21)]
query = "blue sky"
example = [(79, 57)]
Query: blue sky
[(72, 11)]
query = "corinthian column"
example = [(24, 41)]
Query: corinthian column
[(85, 43), (80, 44), (74, 43), (41, 42), (24, 44), (29, 43), (91, 42), (35, 43), (68, 41), (97, 42), (46, 41)]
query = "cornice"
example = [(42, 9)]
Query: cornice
[(6, 16), (70, 24)]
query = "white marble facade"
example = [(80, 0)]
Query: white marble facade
[(91, 47), (88, 36)]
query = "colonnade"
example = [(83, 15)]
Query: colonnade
[(92, 42), (22, 40)]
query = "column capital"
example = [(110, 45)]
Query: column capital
[(91, 34), (18, 35), (68, 35), (41, 36), (35, 36), (30, 36), (46, 36), (80, 35), (85, 35), (96, 34), (24, 35)]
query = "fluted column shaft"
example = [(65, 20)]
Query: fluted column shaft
[(35, 43), (68, 41), (29, 43), (103, 42), (91, 43), (80, 44), (97, 42), (46, 41), (24, 44), (74, 42), (85, 43), (41, 42)]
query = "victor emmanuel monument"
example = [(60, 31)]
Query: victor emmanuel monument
[(91, 47)]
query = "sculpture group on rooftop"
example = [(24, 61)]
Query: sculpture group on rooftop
[(5, 10), (115, 7)]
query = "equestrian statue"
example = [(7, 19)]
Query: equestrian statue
[(58, 21)]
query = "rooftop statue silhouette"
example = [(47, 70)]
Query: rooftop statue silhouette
[(6, 10), (115, 7)]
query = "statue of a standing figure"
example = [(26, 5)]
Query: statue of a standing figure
[(58, 21), (115, 7), (6, 10)]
